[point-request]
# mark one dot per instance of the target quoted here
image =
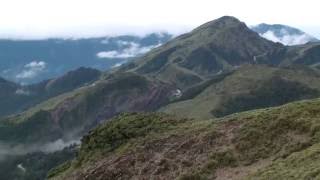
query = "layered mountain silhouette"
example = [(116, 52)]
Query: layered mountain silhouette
[(211, 74), (249, 87), (181, 73), (32, 61), (217, 46), (15, 97), (284, 34)]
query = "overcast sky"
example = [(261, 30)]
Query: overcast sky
[(86, 18)]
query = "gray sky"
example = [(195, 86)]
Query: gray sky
[(86, 18)]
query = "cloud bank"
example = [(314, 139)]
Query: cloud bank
[(58, 145), (32, 69), (22, 92), (22, 149), (118, 64), (286, 38), (131, 50)]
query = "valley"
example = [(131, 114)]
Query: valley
[(219, 102)]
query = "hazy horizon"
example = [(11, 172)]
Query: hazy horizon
[(42, 19)]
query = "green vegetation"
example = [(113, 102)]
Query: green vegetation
[(59, 169), (121, 129), (205, 65), (135, 145), (76, 112), (299, 165), (33, 166), (15, 97), (214, 47), (247, 88), (273, 92)]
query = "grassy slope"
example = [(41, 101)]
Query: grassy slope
[(36, 124), (190, 59), (268, 143), (249, 87), (12, 102), (74, 113), (216, 46)]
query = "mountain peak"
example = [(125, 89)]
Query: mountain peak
[(284, 34), (227, 19), (212, 48), (222, 22)]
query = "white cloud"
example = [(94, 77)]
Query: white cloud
[(20, 166), (286, 38), (105, 41), (22, 92), (58, 145), (36, 64), (47, 18), (132, 50), (124, 43), (21, 149), (6, 71), (32, 69), (117, 65)]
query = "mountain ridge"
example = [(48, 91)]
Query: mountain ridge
[(247, 145), (224, 43), (222, 57), (32, 61), (15, 97), (172, 68), (284, 34)]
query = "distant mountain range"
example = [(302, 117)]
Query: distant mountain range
[(211, 75), (15, 97), (189, 68), (283, 34), (30, 61)]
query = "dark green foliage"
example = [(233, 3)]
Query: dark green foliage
[(11, 101), (187, 80), (239, 140), (299, 165), (276, 131), (216, 46), (219, 45), (123, 81), (121, 129), (59, 169), (202, 61), (36, 164), (193, 176), (195, 90), (39, 127), (158, 62), (274, 92), (72, 80), (222, 159), (77, 113), (310, 57)]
